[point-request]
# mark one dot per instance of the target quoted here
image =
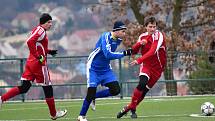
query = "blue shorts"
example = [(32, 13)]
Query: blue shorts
[(94, 78)]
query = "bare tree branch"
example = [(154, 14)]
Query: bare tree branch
[(196, 5), (197, 24), (136, 6)]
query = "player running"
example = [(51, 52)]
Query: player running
[(99, 70), (36, 69), (152, 63)]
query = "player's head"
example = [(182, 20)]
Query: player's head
[(119, 29), (150, 25), (46, 21)]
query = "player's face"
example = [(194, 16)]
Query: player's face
[(120, 33), (47, 25), (151, 27)]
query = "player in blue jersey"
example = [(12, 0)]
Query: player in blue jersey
[(99, 70)]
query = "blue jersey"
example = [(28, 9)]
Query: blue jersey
[(99, 59)]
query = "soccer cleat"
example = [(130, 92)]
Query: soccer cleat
[(93, 105), (122, 112), (0, 102), (81, 118), (133, 114), (59, 114)]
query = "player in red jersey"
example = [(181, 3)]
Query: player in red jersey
[(152, 62), (36, 69)]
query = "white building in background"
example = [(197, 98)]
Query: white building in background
[(79, 42), (44, 9)]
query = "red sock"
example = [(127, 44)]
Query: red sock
[(138, 102), (137, 95), (11, 93), (51, 105)]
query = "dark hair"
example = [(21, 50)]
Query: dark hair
[(44, 18), (150, 20)]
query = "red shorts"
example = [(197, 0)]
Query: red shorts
[(36, 72), (153, 72)]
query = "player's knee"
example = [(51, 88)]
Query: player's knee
[(23, 90), (142, 83), (114, 88), (48, 91), (141, 86), (145, 90), (91, 92), (24, 87), (115, 92)]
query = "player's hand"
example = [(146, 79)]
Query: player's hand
[(41, 59), (134, 63), (52, 52), (127, 52), (133, 56), (143, 41)]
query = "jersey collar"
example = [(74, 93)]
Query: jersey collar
[(113, 37)]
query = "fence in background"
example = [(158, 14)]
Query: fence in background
[(68, 75)]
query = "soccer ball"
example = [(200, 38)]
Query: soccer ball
[(207, 109)]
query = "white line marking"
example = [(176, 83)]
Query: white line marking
[(45, 107), (124, 101), (202, 116)]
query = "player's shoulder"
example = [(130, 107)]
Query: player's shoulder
[(144, 34), (105, 35), (159, 32), (158, 35), (38, 30)]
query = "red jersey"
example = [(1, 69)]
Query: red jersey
[(154, 50), (37, 43)]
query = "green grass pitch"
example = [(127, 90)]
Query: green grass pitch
[(152, 109)]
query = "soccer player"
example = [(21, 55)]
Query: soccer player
[(36, 69), (99, 70), (152, 62)]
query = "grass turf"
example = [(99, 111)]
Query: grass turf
[(152, 109)]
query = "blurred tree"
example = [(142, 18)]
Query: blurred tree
[(203, 82), (190, 19)]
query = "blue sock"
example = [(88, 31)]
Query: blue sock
[(103, 93), (85, 107)]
